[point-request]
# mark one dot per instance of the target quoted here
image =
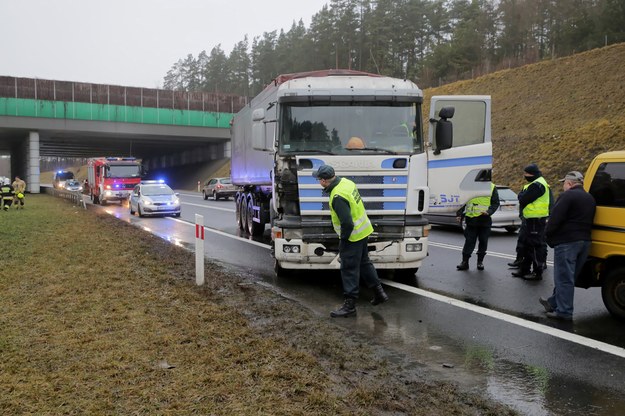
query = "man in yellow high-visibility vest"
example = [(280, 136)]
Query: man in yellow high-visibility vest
[(351, 223), (477, 216), (534, 202)]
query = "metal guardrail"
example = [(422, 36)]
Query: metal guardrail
[(75, 197)]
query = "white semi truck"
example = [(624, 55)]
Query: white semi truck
[(370, 129)]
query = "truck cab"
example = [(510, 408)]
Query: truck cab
[(605, 267)]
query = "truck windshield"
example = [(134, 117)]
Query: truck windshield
[(351, 128), (124, 171)]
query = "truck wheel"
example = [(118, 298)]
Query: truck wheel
[(96, 200), (613, 292), (280, 272)]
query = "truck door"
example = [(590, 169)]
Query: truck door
[(462, 171)]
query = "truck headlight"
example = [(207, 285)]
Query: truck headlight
[(293, 233), (415, 231)]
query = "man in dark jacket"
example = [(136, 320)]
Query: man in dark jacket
[(534, 202), (568, 232)]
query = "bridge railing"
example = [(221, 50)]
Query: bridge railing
[(75, 197)]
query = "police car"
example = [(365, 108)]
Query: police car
[(154, 198)]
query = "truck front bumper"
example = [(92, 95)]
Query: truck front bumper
[(296, 254)]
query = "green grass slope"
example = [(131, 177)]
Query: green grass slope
[(557, 113)]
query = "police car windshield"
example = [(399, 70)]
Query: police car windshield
[(153, 190)]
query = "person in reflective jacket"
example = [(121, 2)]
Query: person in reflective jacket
[(6, 195), (477, 216), (351, 223)]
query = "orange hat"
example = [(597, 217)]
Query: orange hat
[(355, 142)]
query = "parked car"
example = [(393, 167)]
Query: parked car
[(506, 217), (219, 188), (73, 185), (154, 198)]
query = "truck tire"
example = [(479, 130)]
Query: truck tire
[(96, 200), (254, 228), (280, 272), (613, 292), (240, 210)]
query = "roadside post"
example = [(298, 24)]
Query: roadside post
[(198, 186), (199, 249)]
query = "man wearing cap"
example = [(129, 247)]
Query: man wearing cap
[(568, 232), (534, 201), (351, 223)]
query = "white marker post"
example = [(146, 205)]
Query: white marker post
[(199, 250), (198, 186)]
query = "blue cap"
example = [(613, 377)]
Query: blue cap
[(324, 172)]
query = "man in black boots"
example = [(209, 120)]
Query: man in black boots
[(351, 223), (477, 213), (534, 202)]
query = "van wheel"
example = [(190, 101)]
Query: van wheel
[(613, 292)]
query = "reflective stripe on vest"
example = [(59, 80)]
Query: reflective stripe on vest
[(540, 207), (362, 226), (476, 206)]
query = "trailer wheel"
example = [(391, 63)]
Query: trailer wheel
[(240, 209), (613, 292), (254, 228)]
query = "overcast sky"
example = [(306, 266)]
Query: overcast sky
[(130, 42)]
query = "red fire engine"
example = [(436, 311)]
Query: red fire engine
[(112, 178)]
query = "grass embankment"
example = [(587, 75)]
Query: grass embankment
[(99, 317)]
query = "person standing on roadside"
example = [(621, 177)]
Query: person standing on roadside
[(351, 223), (6, 194), (534, 202), (568, 232), (477, 213), (19, 188)]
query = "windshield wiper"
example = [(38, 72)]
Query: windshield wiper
[(375, 149), (313, 151)]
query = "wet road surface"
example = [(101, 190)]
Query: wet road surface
[(484, 330)]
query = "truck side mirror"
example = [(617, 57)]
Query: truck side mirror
[(444, 135)]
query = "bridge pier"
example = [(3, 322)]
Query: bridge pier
[(33, 169)]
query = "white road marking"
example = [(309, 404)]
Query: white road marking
[(209, 207), (224, 234), (591, 343)]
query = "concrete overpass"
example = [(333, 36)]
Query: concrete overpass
[(47, 118)]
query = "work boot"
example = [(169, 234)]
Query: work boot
[(464, 265), (516, 264), (480, 262), (379, 295), (347, 309)]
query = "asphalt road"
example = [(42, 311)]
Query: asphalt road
[(484, 330)]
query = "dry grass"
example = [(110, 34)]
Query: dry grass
[(557, 113), (99, 317)]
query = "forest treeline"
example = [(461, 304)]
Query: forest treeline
[(432, 42)]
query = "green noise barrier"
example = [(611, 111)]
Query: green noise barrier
[(22, 107)]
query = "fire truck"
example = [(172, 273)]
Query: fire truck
[(112, 178)]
